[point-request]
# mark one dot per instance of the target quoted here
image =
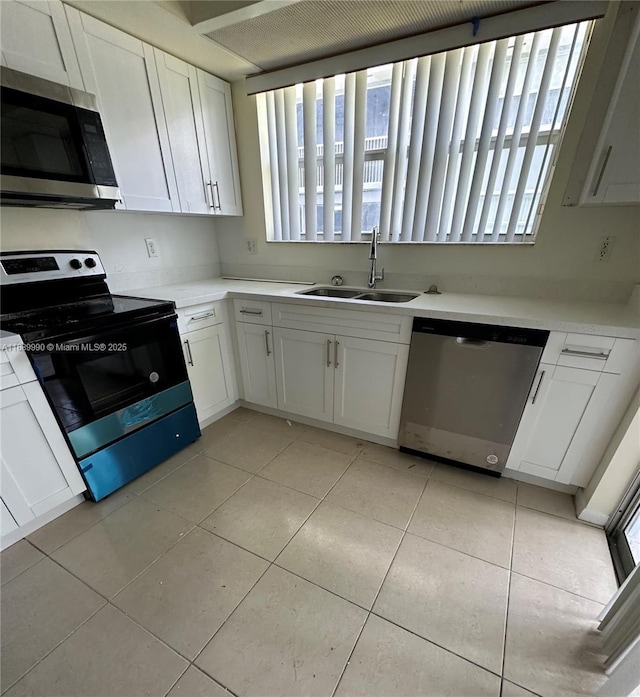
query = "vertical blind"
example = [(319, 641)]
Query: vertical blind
[(454, 147)]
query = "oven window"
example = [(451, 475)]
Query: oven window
[(85, 382), (40, 138)]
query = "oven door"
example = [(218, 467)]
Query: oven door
[(107, 385)]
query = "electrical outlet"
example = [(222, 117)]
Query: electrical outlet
[(604, 250), (252, 245), (152, 247)]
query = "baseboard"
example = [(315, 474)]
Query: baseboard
[(219, 414), (327, 425), (33, 525), (539, 481)]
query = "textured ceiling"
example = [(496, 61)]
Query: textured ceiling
[(313, 29)]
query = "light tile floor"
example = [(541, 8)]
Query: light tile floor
[(274, 559)]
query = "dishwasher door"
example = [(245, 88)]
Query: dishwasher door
[(465, 392)]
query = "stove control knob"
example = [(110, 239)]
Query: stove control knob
[(75, 264), (90, 262)]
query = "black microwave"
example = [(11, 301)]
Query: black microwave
[(54, 152)]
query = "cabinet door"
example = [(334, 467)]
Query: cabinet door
[(257, 363), (179, 88), (208, 365), (33, 481), (558, 400), (614, 176), (120, 70), (304, 372), (220, 139), (36, 40), (7, 522), (369, 383)]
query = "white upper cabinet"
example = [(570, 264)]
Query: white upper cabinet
[(121, 71), (220, 143), (614, 174), (36, 40), (181, 102)]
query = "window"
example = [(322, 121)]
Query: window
[(454, 147)]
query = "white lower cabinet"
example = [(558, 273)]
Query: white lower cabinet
[(352, 382), (38, 470), (566, 424), (304, 372), (369, 382), (257, 364), (209, 366)]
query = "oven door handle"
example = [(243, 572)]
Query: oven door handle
[(97, 336), (187, 345)]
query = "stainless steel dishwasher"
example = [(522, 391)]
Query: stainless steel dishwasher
[(466, 388)]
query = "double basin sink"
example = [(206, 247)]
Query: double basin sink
[(384, 296)]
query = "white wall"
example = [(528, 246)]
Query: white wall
[(187, 244), (562, 263)]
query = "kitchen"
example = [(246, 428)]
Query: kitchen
[(300, 398)]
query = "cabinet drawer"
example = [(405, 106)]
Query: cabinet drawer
[(355, 323), (254, 311), (8, 378), (199, 316), (603, 354)]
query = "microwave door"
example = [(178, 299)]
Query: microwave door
[(53, 151), (41, 139)]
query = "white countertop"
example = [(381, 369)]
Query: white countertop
[(9, 339), (566, 316)]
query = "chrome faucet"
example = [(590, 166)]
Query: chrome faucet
[(373, 255)]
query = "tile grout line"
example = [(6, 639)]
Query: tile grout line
[(506, 614), (48, 653), (270, 565), (370, 611)]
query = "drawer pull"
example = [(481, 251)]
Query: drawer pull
[(535, 394), (602, 355), (251, 312), (328, 353), (266, 341), (335, 355), (189, 355), (202, 315)]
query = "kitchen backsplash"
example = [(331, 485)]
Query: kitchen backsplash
[(187, 248)]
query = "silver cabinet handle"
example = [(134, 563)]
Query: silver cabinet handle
[(335, 355), (328, 353), (217, 188), (210, 201), (251, 312), (189, 354), (535, 394), (266, 341), (602, 355), (605, 162), (203, 315)]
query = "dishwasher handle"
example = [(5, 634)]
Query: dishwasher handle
[(472, 343)]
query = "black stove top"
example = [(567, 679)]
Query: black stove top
[(57, 294), (83, 316)]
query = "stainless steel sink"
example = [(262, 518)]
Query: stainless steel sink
[(332, 292), (386, 296)]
